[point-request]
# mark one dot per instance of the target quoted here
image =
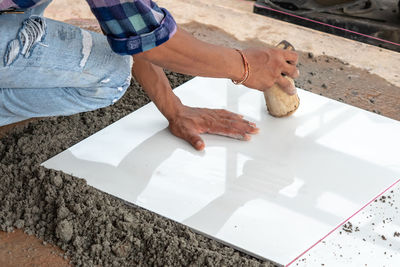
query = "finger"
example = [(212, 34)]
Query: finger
[(253, 128), (234, 134), (227, 128), (234, 120), (195, 140), (286, 85), (291, 71), (252, 124), (245, 126), (291, 57), (227, 114)]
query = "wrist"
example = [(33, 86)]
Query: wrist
[(172, 107), (235, 65), (246, 67)]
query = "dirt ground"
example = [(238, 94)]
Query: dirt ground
[(93, 228), (19, 249)]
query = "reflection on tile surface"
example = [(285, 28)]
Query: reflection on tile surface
[(274, 196)]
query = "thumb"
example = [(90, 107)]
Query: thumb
[(287, 85), (195, 140)]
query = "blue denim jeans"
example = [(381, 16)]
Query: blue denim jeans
[(49, 68)]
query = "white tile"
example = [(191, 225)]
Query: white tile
[(272, 197)]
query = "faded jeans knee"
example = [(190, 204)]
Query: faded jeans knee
[(88, 77), (103, 95)]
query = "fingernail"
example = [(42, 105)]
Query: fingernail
[(246, 137), (199, 144)]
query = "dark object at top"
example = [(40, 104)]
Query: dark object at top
[(377, 18), (286, 45)]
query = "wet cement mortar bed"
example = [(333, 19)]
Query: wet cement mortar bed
[(96, 229)]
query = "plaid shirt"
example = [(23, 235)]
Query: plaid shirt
[(131, 26)]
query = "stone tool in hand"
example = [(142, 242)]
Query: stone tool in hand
[(279, 103)]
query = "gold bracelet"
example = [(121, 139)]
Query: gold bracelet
[(246, 69)]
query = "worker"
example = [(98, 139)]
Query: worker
[(52, 68)]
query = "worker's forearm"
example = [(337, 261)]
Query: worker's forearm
[(156, 85), (185, 54)]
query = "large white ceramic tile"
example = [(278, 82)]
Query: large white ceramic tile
[(273, 197)]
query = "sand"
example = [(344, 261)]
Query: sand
[(94, 228)]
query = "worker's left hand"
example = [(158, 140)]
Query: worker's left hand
[(189, 123)]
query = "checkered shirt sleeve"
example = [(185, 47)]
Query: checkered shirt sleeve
[(133, 26)]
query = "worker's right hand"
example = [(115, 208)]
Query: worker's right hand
[(269, 66), (188, 123)]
